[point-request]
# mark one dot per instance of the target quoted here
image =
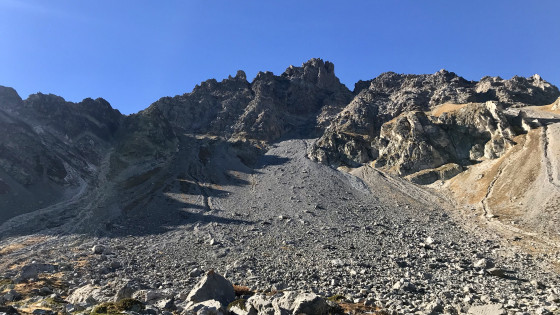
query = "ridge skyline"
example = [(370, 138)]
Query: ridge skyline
[(349, 86), (84, 50)]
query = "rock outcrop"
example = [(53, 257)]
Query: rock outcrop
[(351, 137), (414, 141), (265, 109), (556, 105), (518, 91), (50, 147)]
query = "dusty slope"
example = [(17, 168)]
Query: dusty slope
[(519, 193)]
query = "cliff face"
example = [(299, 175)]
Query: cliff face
[(52, 150), (352, 137), (414, 141), (266, 109)]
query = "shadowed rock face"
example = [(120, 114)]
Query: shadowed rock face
[(52, 150), (50, 147), (266, 109)]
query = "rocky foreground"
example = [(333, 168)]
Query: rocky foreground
[(411, 194)]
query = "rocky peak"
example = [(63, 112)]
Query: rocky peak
[(264, 109), (72, 119), (316, 72), (361, 85), (96, 104), (240, 75), (46, 104), (518, 91), (9, 98)]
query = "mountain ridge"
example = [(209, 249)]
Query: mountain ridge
[(412, 193), (307, 101)]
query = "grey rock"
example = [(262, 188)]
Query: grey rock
[(125, 290), (32, 271), (88, 295), (483, 263), (537, 284), (498, 272), (147, 296), (208, 307), (489, 309), (260, 304), (239, 310), (115, 264), (195, 272), (166, 304), (11, 296), (434, 307), (309, 303), (98, 249), (45, 291), (212, 287)]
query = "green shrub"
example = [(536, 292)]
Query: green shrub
[(240, 303), (337, 298), (105, 308), (129, 305), (118, 307)]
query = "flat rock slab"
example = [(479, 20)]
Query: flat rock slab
[(490, 309)]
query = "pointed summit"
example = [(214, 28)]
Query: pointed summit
[(241, 75), (315, 71), (9, 98)]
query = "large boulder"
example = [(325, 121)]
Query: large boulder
[(288, 302), (33, 270), (86, 295), (147, 296), (212, 287), (310, 303), (260, 304), (125, 290)]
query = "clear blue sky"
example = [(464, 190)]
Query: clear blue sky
[(134, 52)]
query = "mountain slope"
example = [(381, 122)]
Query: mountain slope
[(55, 151), (433, 194)]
